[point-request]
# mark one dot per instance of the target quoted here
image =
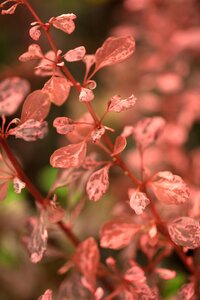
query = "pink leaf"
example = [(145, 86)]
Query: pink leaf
[(89, 60), (12, 92), (18, 185), (30, 130), (138, 201), (117, 235), (143, 291), (127, 131), (119, 145), (117, 104), (3, 190), (86, 95), (147, 131), (165, 274), (55, 213), (10, 10), (48, 295), (87, 258), (64, 22), (97, 134), (36, 106), (75, 54), (46, 66), (35, 33), (58, 89), (135, 275), (63, 125), (114, 50), (98, 183), (187, 292), (169, 188), (70, 156), (38, 240), (34, 52), (185, 231)]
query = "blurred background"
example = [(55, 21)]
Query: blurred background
[(163, 74)]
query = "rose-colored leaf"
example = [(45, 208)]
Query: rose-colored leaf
[(165, 274), (117, 104), (12, 92), (36, 106), (86, 95), (3, 190), (98, 183), (89, 60), (87, 258), (114, 50), (70, 156), (35, 32), (135, 275), (46, 66), (75, 54), (18, 185), (119, 145), (63, 125), (147, 131), (38, 241), (34, 52), (127, 131), (187, 292), (116, 235), (55, 213), (58, 89), (64, 22), (30, 130), (10, 10), (185, 231), (170, 188), (97, 134), (138, 201), (48, 295), (143, 291)]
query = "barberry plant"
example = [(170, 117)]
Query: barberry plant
[(155, 218)]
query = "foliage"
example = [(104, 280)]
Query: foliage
[(142, 162)]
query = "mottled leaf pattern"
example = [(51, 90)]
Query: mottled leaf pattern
[(64, 22), (114, 50), (36, 106), (18, 185), (87, 258), (86, 95), (34, 52), (58, 89), (98, 183), (117, 235), (12, 92), (38, 240), (75, 54), (170, 188), (30, 130), (63, 125), (117, 104), (147, 131), (185, 231), (138, 201), (35, 32), (70, 156)]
